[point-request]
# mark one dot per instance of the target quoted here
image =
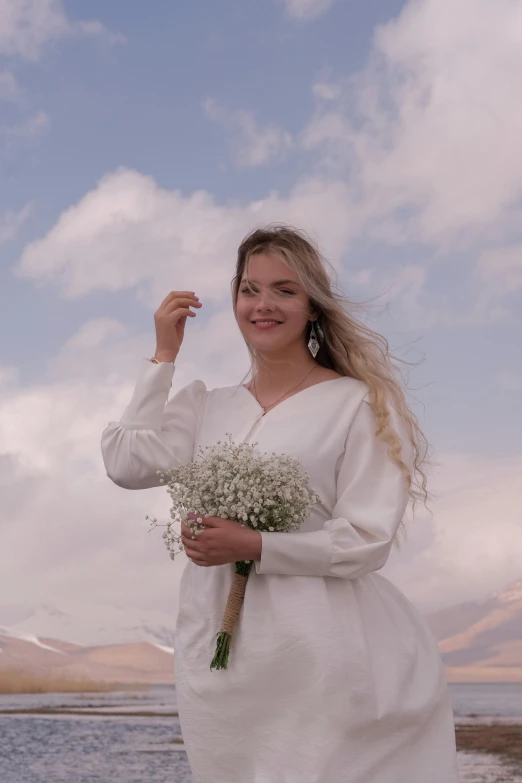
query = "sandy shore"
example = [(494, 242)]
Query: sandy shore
[(503, 739), (107, 713)]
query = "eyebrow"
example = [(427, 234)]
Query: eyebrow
[(276, 282)]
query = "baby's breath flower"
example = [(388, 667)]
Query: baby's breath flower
[(232, 480)]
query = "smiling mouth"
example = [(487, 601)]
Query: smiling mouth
[(270, 321)]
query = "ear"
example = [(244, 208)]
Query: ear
[(314, 312)]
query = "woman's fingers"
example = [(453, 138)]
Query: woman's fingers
[(180, 302), (172, 294), (176, 304), (192, 546), (175, 311), (195, 556), (186, 531)]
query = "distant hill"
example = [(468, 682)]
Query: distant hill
[(90, 625), (482, 642), (478, 641), (133, 662)]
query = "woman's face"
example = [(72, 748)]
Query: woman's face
[(271, 293)]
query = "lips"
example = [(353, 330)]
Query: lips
[(265, 326)]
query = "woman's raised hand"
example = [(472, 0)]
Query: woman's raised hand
[(170, 319)]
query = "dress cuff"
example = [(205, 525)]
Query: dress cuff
[(147, 405), (295, 554)]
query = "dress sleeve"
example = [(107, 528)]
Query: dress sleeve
[(152, 434), (371, 500)]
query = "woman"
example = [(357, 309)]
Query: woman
[(334, 676)]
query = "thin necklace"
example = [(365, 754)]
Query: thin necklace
[(286, 392)]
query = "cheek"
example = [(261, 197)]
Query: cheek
[(242, 310), (295, 311)]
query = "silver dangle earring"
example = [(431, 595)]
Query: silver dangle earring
[(313, 341)]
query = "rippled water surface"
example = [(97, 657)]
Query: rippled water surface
[(104, 739), (91, 747), (90, 750)]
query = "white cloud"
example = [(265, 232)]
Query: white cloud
[(14, 139), (499, 270), (509, 380), (27, 26), (10, 90), (11, 222), (74, 522), (306, 10), (326, 91), (32, 128), (253, 145), (130, 233), (472, 545), (429, 132), (406, 292), (429, 147), (497, 278), (403, 143), (8, 375), (37, 125)]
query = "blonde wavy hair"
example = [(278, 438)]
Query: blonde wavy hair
[(349, 347)]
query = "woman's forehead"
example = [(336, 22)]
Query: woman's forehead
[(268, 268)]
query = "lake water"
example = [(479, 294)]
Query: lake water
[(487, 700), (104, 738)]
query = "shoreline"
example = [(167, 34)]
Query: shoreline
[(87, 711), (500, 737)]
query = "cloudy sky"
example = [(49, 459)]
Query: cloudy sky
[(139, 143)]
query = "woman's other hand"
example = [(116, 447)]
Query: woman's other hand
[(223, 541)]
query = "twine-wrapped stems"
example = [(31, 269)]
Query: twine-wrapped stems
[(235, 600), (234, 603)]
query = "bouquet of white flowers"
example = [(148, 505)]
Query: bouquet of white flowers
[(267, 492)]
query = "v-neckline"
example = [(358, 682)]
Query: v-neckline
[(302, 391)]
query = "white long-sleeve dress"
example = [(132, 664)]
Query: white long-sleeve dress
[(333, 676)]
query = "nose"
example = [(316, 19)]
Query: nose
[(265, 301), (264, 312)]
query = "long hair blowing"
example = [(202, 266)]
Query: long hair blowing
[(349, 347)]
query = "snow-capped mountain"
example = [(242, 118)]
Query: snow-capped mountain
[(90, 625), (6, 634), (134, 662), (478, 641)]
